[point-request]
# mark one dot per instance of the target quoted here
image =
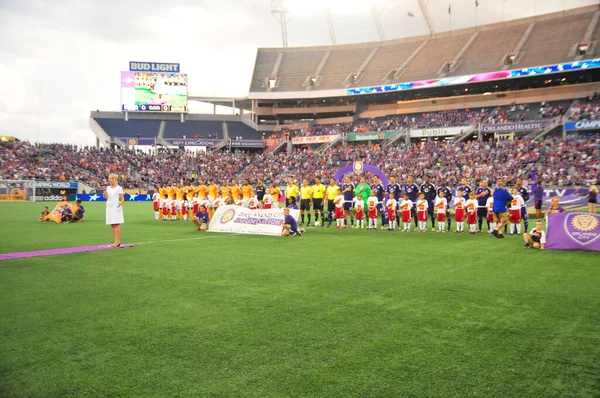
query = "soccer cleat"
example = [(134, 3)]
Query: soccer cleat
[(495, 233), (500, 236), (301, 224), (433, 229), (527, 245)]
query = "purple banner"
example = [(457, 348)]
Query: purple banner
[(570, 199), (529, 125), (248, 143), (192, 142), (573, 231), (139, 141)]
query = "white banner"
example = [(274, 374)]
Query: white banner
[(240, 220), (314, 139), (438, 131)]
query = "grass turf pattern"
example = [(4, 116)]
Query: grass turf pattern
[(332, 313)]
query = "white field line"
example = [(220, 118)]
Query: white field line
[(184, 239)]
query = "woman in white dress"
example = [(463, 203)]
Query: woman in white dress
[(114, 210)]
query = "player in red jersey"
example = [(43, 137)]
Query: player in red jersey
[(392, 208), (441, 205), (173, 209), (422, 211), (360, 211), (372, 210), (184, 209), (156, 200), (489, 204), (459, 213), (165, 204), (340, 216), (406, 206), (514, 213), (267, 199), (471, 207)]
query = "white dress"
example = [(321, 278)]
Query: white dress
[(114, 214)]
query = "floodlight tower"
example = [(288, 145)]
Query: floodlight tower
[(378, 23), (330, 25), (281, 14), (423, 7)]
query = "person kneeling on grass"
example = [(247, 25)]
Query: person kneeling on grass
[(78, 216), (67, 214), (536, 239), (201, 219), (290, 226), (45, 214)]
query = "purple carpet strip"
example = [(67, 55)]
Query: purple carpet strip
[(54, 252)]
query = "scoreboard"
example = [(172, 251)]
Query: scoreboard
[(154, 92)]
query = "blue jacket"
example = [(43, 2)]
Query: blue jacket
[(501, 196)]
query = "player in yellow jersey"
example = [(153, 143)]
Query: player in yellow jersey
[(189, 194), (331, 193), (171, 191), (201, 189), (225, 191), (235, 189), (275, 193), (213, 194), (291, 191), (179, 196), (318, 195), (162, 190), (306, 195), (213, 190), (247, 192)]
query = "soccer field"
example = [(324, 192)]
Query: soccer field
[(334, 313)]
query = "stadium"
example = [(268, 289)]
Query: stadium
[(363, 221)]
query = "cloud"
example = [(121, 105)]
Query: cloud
[(60, 59)]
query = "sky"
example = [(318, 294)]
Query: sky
[(60, 59)]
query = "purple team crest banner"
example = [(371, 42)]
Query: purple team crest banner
[(359, 168), (573, 231)]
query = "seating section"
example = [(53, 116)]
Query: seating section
[(487, 51), (431, 58), (242, 130), (550, 41), (193, 129), (120, 128), (265, 61), (387, 58), (340, 64), (296, 67)]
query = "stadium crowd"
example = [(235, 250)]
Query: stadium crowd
[(558, 162), (448, 118)]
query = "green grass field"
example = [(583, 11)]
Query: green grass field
[(334, 313)]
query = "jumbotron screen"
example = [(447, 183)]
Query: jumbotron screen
[(154, 92)]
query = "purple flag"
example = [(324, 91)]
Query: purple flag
[(449, 8), (573, 231), (410, 14), (476, 3)]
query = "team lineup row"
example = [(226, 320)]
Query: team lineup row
[(347, 203)]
